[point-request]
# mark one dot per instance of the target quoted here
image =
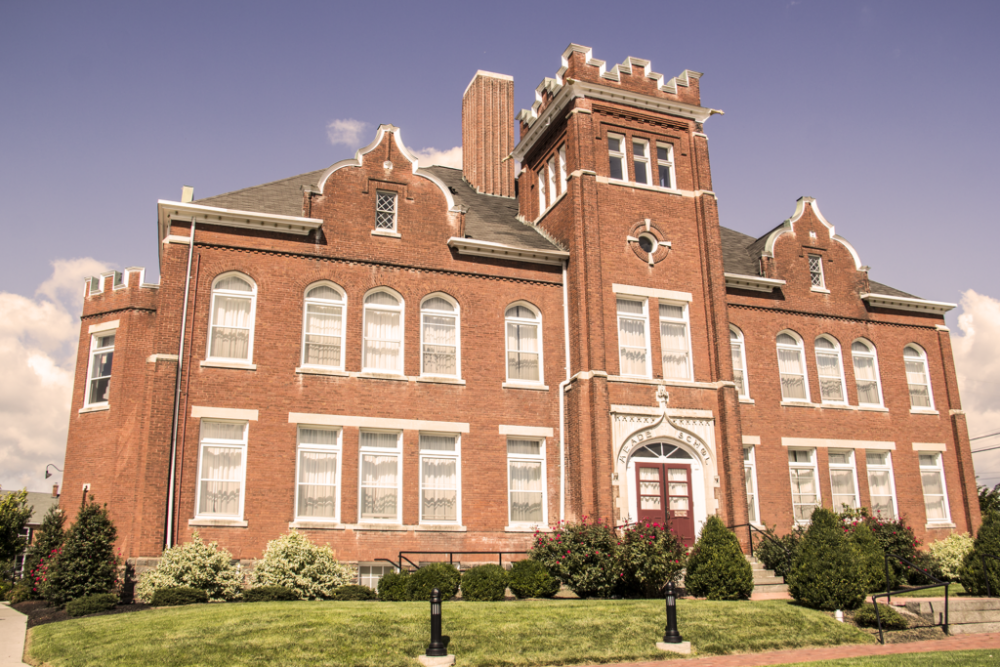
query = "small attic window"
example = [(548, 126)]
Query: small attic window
[(385, 211), (816, 271)]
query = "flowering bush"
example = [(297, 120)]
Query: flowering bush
[(196, 565), (310, 570), (581, 555), (894, 536), (647, 556), (951, 552)]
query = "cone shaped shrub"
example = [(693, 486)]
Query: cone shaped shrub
[(48, 538), (484, 583), (530, 579), (86, 562), (441, 576), (982, 561), (647, 556), (871, 560), (717, 568), (312, 571), (198, 565), (826, 573)]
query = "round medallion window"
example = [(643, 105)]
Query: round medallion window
[(648, 243)]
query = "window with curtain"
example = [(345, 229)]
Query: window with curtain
[(439, 337), (805, 483), (633, 346), (231, 332), (738, 350), (881, 486), (665, 164), (674, 342), (866, 375), (381, 476), (543, 203), (750, 479), (640, 160), (917, 378), (829, 370), (523, 344), (323, 327), (383, 345), (318, 477), (935, 496), (616, 156), (220, 469), (563, 176), (792, 368), (843, 487), (439, 478), (553, 179), (102, 352), (526, 481)]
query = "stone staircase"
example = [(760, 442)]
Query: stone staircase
[(766, 585), (965, 615)]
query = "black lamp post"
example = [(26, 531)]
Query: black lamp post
[(47, 473), (437, 646), (671, 636)]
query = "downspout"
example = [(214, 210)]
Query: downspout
[(562, 400), (177, 398)]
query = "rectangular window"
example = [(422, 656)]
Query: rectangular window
[(816, 271), (674, 343), (553, 183), (370, 575), (221, 474), (318, 477), (526, 481), (881, 486), (633, 350), (439, 478), (935, 496), (805, 483), (616, 156), (665, 164), (843, 479), (750, 478), (640, 160), (385, 210), (542, 201), (102, 352), (563, 176), (381, 476)]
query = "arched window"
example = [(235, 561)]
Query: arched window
[(234, 301), (739, 361), (792, 368), (383, 333), (323, 326), (439, 336), (866, 375), (917, 378), (524, 344), (830, 370)]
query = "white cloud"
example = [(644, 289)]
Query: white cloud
[(451, 157), (346, 131), (38, 340), (977, 364)]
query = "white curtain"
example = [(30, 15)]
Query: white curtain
[(803, 494), (790, 368), (383, 338), (522, 351), (524, 447), (842, 487), (751, 494), (440, 350), (378, 486), (864, 375), (933, 494), (323, 332), (438, 443), (221, 472), (324, 292), (317, 484), (526, 491), (881, 493), (632, 339), (830, 385), (737, 354), (231, 327), (439, 478), (673, 340), (917, 378)]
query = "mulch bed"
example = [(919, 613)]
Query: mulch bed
[(39, 612)]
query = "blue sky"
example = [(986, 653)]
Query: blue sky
[(880, 110)]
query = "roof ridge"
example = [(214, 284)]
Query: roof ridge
[(261, 185)]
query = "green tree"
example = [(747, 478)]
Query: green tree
[(14, 515), (989, 500), (86, 563), (871, 557), (717, 568), (982, 561), (48, 539), (826, 573)]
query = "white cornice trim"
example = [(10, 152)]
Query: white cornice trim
[(377, 422), (904, 303), (226, 217), (654, 292), (788, 226), (502, 251), (753, 283)]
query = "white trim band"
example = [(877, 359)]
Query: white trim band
[(103, 326), (529, 431), (837, 444), (653, 292), (930, 447), (201, 412), (377, 422)]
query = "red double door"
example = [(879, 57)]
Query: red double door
[(665, 491)]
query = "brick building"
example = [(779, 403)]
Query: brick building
[(394, 357)]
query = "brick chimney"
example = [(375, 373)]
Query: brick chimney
[(488, 133), (55, 490)]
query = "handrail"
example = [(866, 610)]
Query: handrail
[(753, 528), (451, 555), (888, 592)]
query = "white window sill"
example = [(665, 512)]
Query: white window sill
[(316, 525), (924, 412), (745, 399), (519, 385), (821, 290), (440, 528), (209, 363), (383, 527), (798, 404), (873, 408), (387, 233), (837, 406), (933, 526), (440, 380), (526, 528), (381, 376), (95, 408), (219, 523), (639, 186), (310, 370)]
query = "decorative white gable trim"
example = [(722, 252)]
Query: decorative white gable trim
[(789, 227), (226, 217), (502, 251), (905, 303), (754, 283)]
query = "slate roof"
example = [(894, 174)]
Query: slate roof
[(39, 502), (282, 197)]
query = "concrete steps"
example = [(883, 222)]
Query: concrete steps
[(766, 585), (965, 615)]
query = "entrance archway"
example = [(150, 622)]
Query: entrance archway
[(662, 478)]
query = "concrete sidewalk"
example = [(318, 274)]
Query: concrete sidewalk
[(13, 625)]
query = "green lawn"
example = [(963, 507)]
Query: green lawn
[(942, 659), (954, 589), (553, 632)]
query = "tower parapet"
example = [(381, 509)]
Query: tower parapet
[(119, 290)]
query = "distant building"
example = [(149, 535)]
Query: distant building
[(40, 503)]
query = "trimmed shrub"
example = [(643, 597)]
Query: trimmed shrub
[(928, 567), (294, 562), (353, 593), (778, 553), (91, 604), (269, 594), (826, 573), (199, 565), (581, 555), (441, 576), (21, 592), (985, 551), (484, 583), (172, 597), (647, 556), (394, 587), (86, 562), (950, 553), (47, 542), (717, 568), (530, 579), (871, 561), (891, 619)]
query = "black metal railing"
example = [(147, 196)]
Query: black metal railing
[(751, 529), (907, 589), (450, 554)]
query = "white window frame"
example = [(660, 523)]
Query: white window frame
[(740, 342), (686, 321), (644, 318), (371, 577), (94, 353), (397, 451), (850, 466), (750, 463), (872, 354), (620, 156), (540, 457), (517, 320), (243, 464), (553, 179), (927, 377), (543, 203), (313, 301), (401, 309), (252, 296), (380, 208), (938, 467), (886, 467), (440, 454), (816, 270), (668, 163), (812, 467), (840, 368), (563, 176), (800, 348), (337, 449), (641, 158), (457, 315)]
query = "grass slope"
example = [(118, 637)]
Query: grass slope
[(509, 634)]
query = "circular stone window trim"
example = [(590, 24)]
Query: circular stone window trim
[(648, 243)]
